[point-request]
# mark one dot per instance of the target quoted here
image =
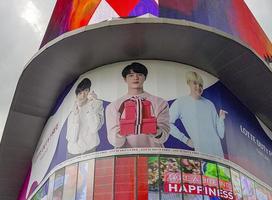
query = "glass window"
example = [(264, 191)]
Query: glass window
[(237, 190), (148, 178), (225, 185), (58, 184), (103, 183), (51, 187), (248, 189), (170, 178), (209, 180), (142, 178), (191, 178), (270, 195), (125, 173), (42, 193), (70, 181), (85, 181), (261, 192)]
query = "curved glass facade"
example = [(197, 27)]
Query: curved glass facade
[(150, 177), (179, 109), (144, 129)]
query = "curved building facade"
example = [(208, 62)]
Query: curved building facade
[(144, 100), (184, 136)]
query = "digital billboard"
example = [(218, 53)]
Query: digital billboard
[(153, 177), (230, 16), (153, 104)]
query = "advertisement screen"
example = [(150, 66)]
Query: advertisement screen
[(225, 185), (85, 180), (261, 192), (125, 178), (104, 179), (248, 188), (191, 178), (236, 183), (70, 182), (230, 16), (143, 104), (171, 187), (58, 184), (151, 177), (148, 178), (210, 180)]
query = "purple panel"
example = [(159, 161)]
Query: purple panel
[(144, 7)]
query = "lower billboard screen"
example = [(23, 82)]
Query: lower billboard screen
[(150, 177)]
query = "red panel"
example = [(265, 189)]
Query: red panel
[(103, 182), (125, 178), (249, 29), (142, 177), (123, 9), (81, 13)]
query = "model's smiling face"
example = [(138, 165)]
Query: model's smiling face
[(135, 80), (196, 89)]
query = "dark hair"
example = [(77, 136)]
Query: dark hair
[(84, 84), (135, 67)]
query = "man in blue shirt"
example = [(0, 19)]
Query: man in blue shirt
[(200, 119)]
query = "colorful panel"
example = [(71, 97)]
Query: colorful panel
[(170, 176), (147, 178), (225, 185), (153, 178), (248, 188), (237, 190), (230, 16), (191, 178), (210, 179), (42, 193)]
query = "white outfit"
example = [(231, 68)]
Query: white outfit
[(83, 125), (201, 122)]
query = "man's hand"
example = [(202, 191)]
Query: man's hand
[(76, 108), (190, 143), (92, 95), (222, 114)]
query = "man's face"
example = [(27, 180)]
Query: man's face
[(196, 88), (135, 80), (82, 96)]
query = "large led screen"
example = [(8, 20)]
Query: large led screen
[(153, 177), (230, 16), (159, 105)]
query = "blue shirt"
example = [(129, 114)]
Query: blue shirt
[(202, 123)]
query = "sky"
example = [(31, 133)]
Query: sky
[(22, 28)]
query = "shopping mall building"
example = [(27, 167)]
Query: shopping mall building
[(143, 100)]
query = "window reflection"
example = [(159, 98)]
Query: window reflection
[(150, 178)]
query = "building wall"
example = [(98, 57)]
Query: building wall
[(230, 156), (237, 141)]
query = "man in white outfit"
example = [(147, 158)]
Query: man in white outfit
[(84, 121), (200, 119)]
